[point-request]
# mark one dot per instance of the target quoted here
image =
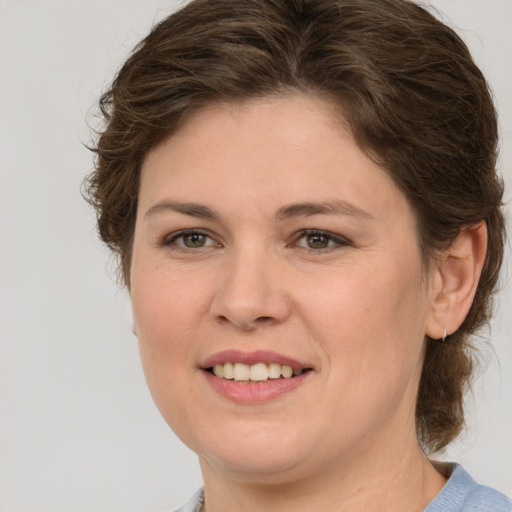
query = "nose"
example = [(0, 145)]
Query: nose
[(251, 292)]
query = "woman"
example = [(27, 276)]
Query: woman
[(304, 201)]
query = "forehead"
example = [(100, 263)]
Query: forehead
[(287, 148), (272, 116)]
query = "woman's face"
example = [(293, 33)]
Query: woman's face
[(266, 239)]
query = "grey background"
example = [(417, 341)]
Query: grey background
[(78, 429)]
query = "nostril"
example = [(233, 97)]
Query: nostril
[(264, 319), (248, 324)]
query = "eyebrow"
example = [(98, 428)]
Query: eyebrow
[(306, 209), (192, 209), (335, 207)]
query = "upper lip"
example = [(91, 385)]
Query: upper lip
[(254, 357)]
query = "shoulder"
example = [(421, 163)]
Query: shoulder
[(462, 494), (195, 504)]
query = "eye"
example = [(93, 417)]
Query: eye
[(190, 239), (318, 240)]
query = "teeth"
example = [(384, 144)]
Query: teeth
[(257, 372), (242, 371), (286, 372), (228, 371), (274, 371), (218, 370)]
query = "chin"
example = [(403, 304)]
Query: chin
[(263, 467), (254, 451)]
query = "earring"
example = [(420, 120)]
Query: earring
[(445, 334)]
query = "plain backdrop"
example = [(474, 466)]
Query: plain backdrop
[(78, 429)]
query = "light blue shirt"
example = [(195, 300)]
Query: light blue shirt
[(460, 494)]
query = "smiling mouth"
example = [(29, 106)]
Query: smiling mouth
[(259, 372)]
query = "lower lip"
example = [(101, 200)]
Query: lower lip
[(254, 392)]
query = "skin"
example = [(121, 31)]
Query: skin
[(356, 311)]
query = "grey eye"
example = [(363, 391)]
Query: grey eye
[(189, 240), (194, 240), (317, 241)]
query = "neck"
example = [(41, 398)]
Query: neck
[(398, 480)]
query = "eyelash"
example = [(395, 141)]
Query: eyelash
[(333, 241), (170, 241)]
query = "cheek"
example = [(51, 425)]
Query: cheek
[(363, 299), (169, 310), (166, 304), (372, 334), (166, 311), (370, 321)]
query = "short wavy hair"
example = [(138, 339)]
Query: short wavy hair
[(414, 99)]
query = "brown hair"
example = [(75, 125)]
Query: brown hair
[(413, 97)]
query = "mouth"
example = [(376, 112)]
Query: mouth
[(258, 372), (254, 377)]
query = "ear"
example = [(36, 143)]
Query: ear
[(455, 280)]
